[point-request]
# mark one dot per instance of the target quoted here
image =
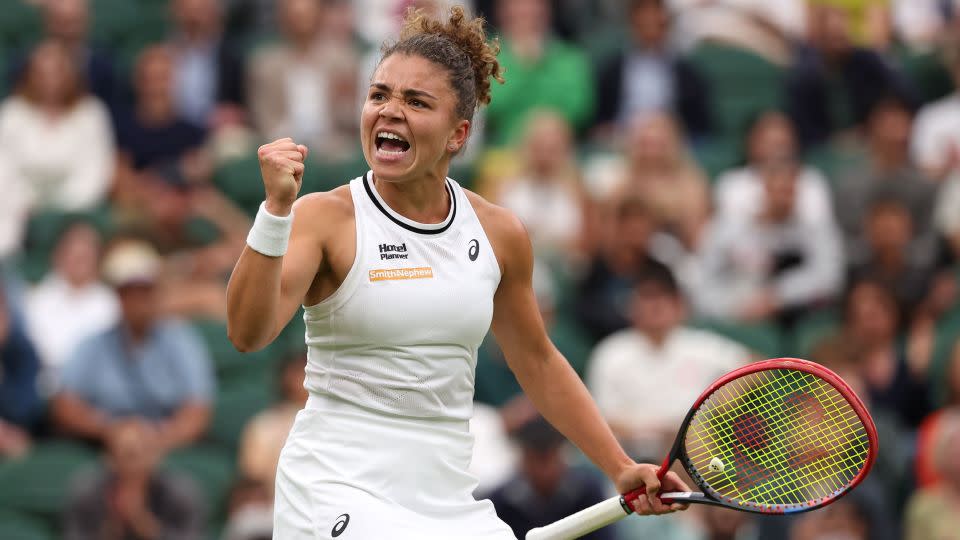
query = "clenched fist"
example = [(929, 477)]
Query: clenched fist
[(281, 165)]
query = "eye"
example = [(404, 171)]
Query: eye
[(418, 104), (377, 96)]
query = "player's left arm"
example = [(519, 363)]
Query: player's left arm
[(546, 376)]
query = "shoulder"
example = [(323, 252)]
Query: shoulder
[(610, 346), (504, 229), (324, 208), (722, 349)]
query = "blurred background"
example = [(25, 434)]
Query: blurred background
[(706, 183)]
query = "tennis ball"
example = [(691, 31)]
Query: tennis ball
[(716, 465)]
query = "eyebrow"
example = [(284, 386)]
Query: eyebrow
[(409, 92)]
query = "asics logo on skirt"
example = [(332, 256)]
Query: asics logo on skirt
[(341, 525)]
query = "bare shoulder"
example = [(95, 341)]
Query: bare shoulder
[(504, 229), (325, 207)]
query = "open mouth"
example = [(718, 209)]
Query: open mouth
[(391, 143)]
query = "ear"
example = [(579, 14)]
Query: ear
[(459, 136)]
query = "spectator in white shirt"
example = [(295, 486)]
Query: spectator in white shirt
[(739, 192), (646, 377), (56, 144), (771, 265), (71, 303), (936, 131)]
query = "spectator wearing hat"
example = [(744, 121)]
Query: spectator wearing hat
[(546, 488), (147, 368)]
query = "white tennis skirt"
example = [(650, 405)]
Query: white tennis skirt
[(347, 473)]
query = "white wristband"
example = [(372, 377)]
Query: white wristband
[(270, 233)]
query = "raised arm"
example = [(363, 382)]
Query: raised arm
[(265, 290)]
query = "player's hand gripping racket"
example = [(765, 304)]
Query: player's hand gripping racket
[(774, 437)]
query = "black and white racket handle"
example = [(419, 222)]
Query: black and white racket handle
[(599, 515)]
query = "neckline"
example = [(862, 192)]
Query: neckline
[(405, 222)]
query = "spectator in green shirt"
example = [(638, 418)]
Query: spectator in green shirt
[(544, 73)]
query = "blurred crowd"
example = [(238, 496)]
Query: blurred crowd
[(705, 183)]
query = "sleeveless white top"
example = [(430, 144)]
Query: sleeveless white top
[(400, 335)]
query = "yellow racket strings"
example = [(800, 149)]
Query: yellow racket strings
[(777, 437)]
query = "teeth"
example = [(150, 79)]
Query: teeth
[(386, 135)]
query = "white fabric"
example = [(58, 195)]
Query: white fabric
[(395, 477), (59, 316), (65, 164), (935, 131), (739, 194), (550, 212), (628, 375), (390, 370), (270, 234), (647, 86), (947, 213), (401, 334), (307, 96), (918, 22)]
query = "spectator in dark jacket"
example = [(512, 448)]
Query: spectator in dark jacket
[(546, 488), (20, 404), (649, 77), (834, 84)]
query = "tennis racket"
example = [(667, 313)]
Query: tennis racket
[(779, 436)]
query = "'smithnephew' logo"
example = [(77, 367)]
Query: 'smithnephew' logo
[(390, 251), (401, 273)]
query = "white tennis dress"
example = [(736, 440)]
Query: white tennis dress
[(382, 449)]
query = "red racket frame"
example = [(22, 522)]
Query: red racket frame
[(678, 450)]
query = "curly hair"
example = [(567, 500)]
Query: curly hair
[(459, 45)]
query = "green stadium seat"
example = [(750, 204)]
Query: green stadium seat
[(39, 482), (229, 363), (810, 330), (240, 181), (741, 84), (43, 231), (211, 468), (947, 336), (236, 404), (22, 526), (20, 25), (763, 338)]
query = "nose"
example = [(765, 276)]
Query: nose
[(391, 109)]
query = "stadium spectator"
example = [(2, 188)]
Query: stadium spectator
[(649, 76), (739, 193), (855, 517), (657, 168), (890, 254), (867, 343), (947, 214), (71, 303), (936, 132), (264, 435), (208, 84), (833, 82), (544, 73), (147, 367), (56, 145), (20, 404), (152, 133), (546, 488), (626, 371), (767, 29), (773, 264), (933, 426), (545, 192), (304, 86), (886, 170), (130, 497), (67, 22), (603, 292), (932, 511)]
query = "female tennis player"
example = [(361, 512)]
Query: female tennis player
[(401, 273)]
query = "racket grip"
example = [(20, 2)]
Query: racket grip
[(585, 521)]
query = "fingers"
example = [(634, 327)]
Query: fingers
[(282, 145), (672, 482), (648, 475)]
